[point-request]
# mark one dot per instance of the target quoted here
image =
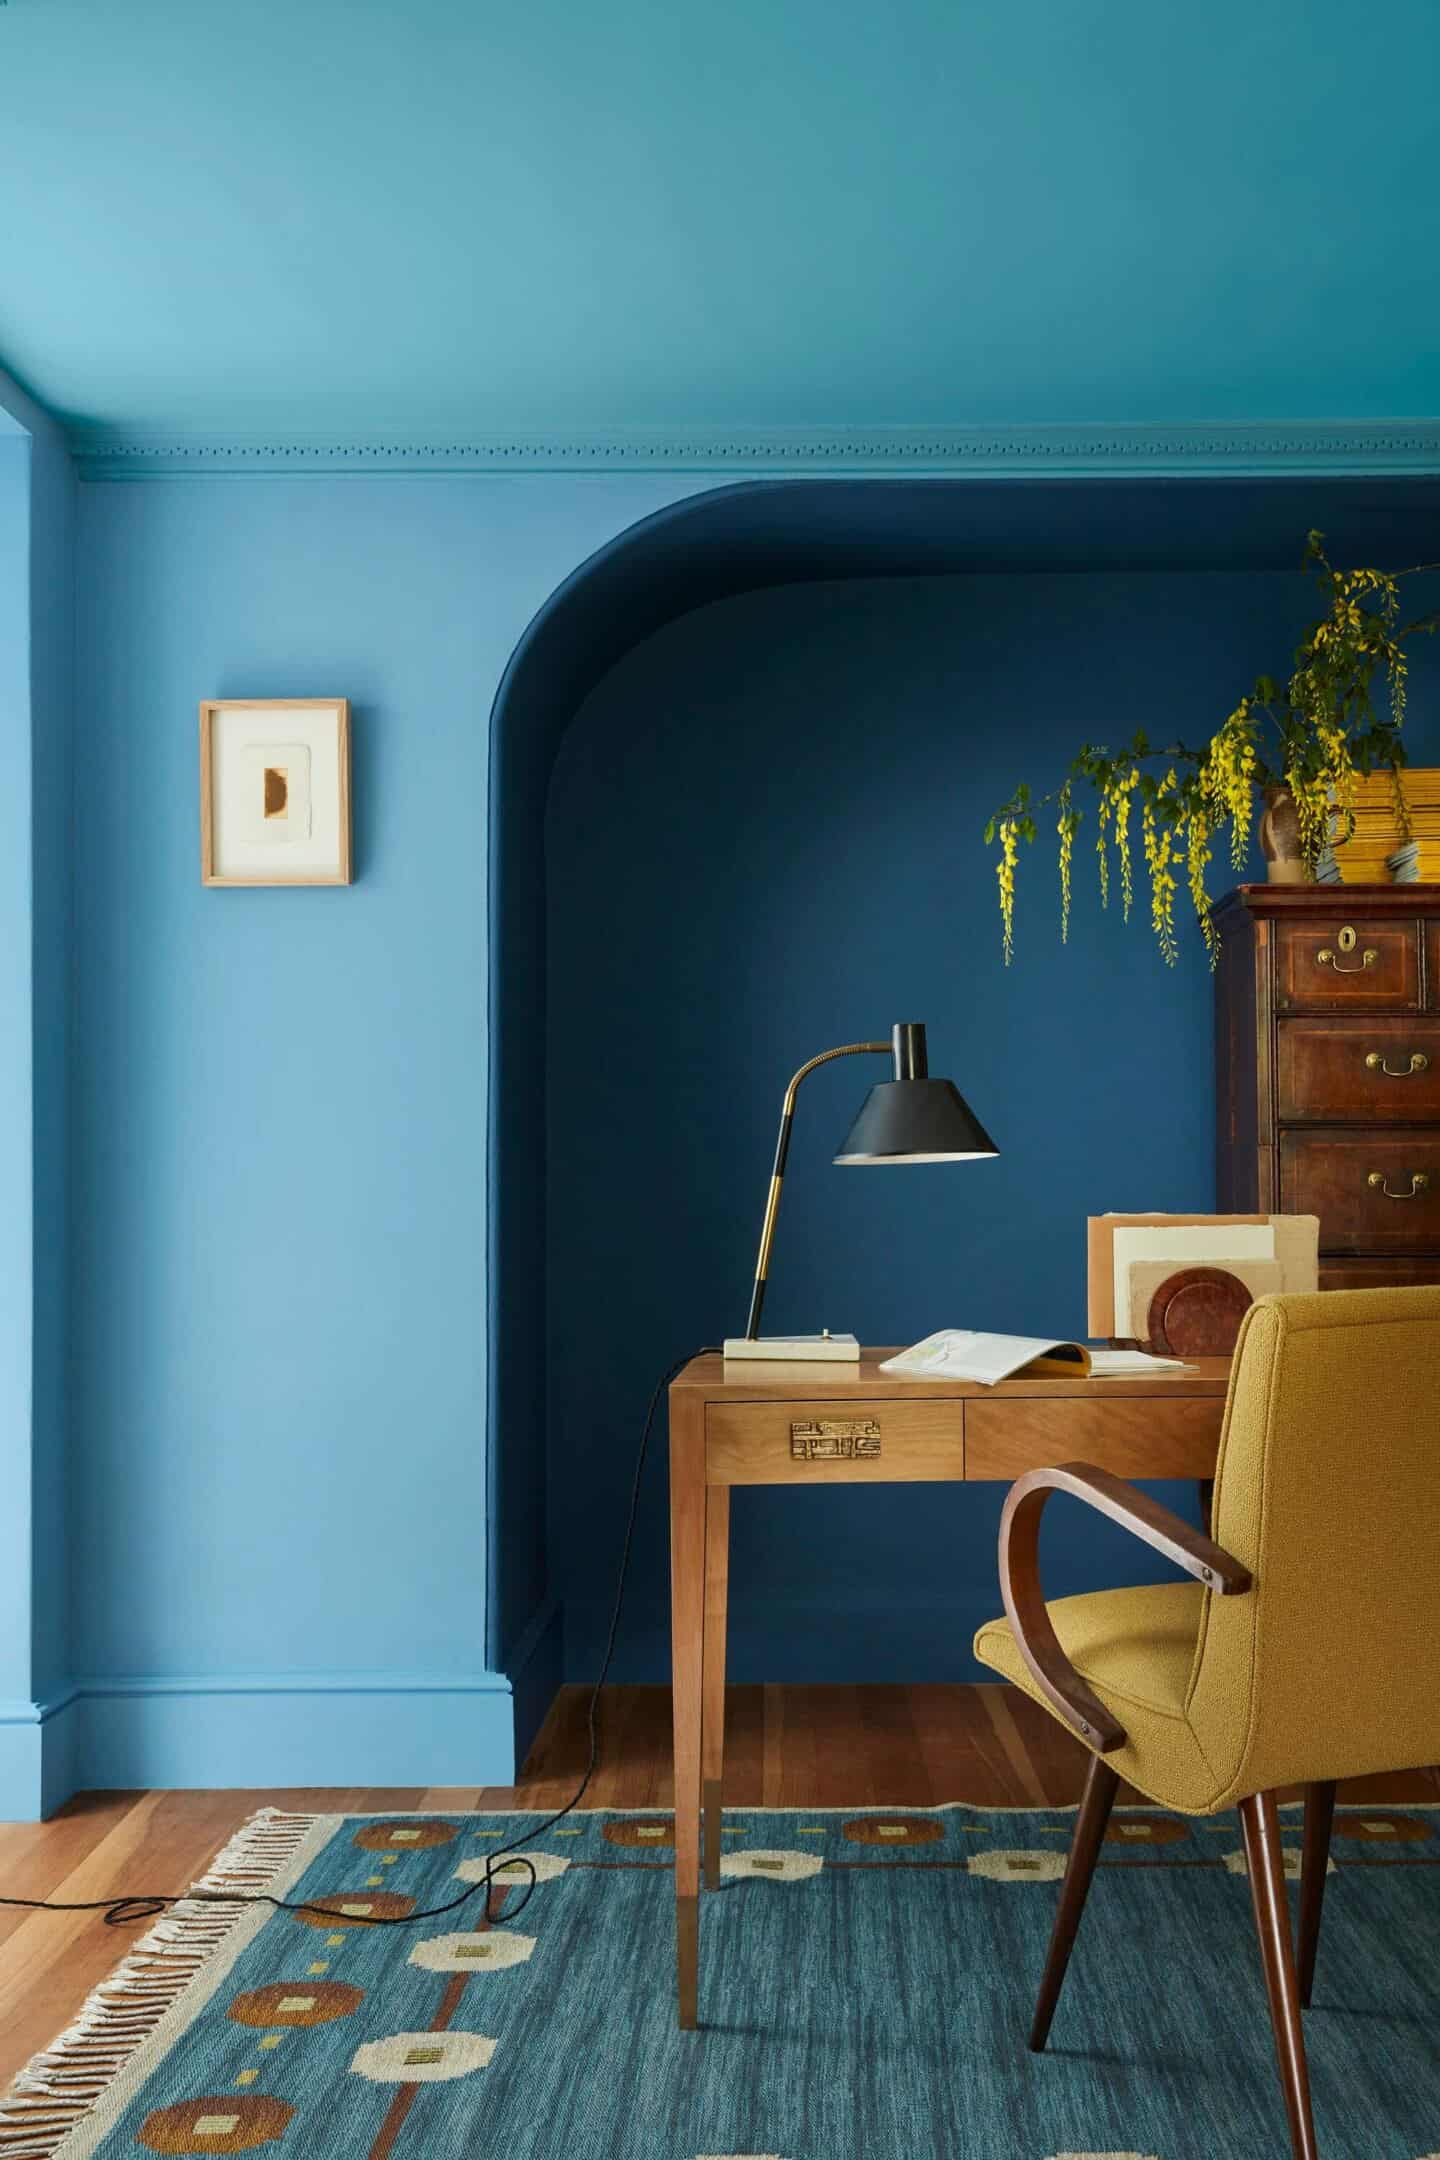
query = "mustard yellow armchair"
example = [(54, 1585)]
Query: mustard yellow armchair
[(1302, 1650)]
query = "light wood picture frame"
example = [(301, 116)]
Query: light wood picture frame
[(275, 791)]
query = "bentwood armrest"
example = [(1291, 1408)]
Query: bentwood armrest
[(1035, 1636)]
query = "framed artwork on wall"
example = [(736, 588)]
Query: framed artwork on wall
[(275, 791)]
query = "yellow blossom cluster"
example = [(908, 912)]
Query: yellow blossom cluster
[(1005, 872), (1066, 829), (1159, 844), (1124, 789), (1197, 855), (1307, 738), (1227, 778)]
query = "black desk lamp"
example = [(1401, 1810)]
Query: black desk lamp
[(910, 1119)]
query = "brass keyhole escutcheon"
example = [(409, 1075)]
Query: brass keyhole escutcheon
[(1346, 940)]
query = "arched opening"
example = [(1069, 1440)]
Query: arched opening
[(829, 755)]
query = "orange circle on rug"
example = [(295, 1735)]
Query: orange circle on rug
[(217, 2123), (296, 2002), (354, 1908), (403, 1836), (1144, 1830), (1381, 1825), (642, 1831), (893, 1830)]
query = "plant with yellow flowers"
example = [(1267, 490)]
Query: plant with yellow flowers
[(1302, 742)]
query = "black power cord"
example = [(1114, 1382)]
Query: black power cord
[(147, 1905)]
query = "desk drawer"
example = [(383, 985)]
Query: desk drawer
[(1345, 964), (828, 1443), (1174, 1438)]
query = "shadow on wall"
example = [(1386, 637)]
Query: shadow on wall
[(763, 838)]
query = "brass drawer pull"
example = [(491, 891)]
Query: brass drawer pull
[(1326, 958), (1419, 1179), (834, 1439), (1418, 1063)]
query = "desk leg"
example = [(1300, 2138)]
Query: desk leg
[(687, 1649), (712, 1738)]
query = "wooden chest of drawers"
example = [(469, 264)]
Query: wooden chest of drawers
[(1328, 1071)]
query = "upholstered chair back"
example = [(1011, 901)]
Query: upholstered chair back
[(1328, 1489)]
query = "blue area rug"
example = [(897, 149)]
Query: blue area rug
[(867, 1979)]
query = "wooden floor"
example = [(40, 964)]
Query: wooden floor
[(785, 1746)]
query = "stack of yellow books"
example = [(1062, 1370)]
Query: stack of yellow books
[(1377, 851)]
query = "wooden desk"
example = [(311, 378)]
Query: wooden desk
[(755, 1424)]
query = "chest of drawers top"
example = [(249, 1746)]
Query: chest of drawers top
[(1340, 948)]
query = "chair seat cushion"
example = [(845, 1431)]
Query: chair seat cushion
[(1137, 1649)]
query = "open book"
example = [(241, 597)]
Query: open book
[(964, 1354)]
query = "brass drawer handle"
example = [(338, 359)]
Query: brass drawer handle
[(1418, 1063), (834, 1439), (1419, 1179), (1326, 958)]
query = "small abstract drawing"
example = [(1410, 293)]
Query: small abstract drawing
[(275, 791)]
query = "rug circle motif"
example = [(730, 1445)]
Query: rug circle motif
[(892, 1830), (354, 1908), (491, 1951), (422, 2058), (296, 2002), (514, 1870), (402, 1836), (641, 1831), (217, 2123), (772, 1865)]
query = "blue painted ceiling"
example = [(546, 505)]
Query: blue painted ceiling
[(332, 215)]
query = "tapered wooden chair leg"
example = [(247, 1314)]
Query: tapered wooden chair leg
[(1099, 1798), (1319, 1815), (1266, 1864)]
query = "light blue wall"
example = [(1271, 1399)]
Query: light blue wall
[(16, 1091), (764, 838), (37, 491), (280, 1135), (52, 611)]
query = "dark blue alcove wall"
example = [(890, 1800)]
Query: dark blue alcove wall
[(766, 770)]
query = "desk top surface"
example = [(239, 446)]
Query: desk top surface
[(754, 1380)]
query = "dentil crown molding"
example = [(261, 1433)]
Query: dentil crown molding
[(1411, 446)]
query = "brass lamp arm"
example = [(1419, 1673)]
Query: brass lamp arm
[(777, 1174)]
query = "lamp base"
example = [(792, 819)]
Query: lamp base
[(826, 1349)]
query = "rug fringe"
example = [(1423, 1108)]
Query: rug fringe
[(57, 2089)]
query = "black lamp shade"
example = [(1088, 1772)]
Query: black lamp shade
[(916, 1121)]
